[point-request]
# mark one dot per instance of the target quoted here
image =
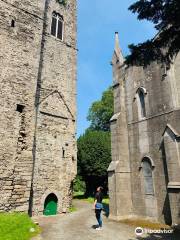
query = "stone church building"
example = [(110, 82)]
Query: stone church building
[(37, 105), (144, 175)]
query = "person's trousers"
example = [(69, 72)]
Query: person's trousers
[(98, 216)]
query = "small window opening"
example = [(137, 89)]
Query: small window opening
[(57, 25), (19, 108), (63, 152), (13, 23)]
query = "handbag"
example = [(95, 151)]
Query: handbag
[(98, 206)]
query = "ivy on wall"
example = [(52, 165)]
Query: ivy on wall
[(63, 2)]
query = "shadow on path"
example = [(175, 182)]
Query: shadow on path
[(95, 226), (106, 209)]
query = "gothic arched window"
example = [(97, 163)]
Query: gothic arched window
[(148, 176), (142, 103), (57, 25)]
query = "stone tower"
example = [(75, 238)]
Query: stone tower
[(37, 104)]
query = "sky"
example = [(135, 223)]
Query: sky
[(97, 23)]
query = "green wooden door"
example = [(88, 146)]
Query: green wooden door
[(50, 205)]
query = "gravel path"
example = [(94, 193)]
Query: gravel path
[(80, 225)]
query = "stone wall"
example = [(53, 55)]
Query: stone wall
[(153, 134), (19, 54), (145, 136), (55, 164), (38, 105)]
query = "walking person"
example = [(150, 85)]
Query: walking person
[(98, 206)]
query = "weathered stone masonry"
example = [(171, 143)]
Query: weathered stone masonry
[(37, 104), (144, 175)]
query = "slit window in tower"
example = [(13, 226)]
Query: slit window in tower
[(13, 23), (63, 153), (57, 26)]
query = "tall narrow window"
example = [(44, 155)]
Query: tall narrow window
[(142, 103), (63, 153), (54, 24), (57, 25), (148, 177), (13, 23)]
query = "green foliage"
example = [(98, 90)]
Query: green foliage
[(16, 226), (101, 112), (94, 153), (91, 200), (94, 147), (166, 17), (79, 185), (106, 200), (72, 209), (78, 195), (63, 2), (94, 157)]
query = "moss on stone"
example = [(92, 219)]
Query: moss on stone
[(145, 224)]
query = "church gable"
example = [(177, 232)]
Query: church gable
[(54, 105), (170, 131)]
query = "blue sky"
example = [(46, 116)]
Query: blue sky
[(97, 22)]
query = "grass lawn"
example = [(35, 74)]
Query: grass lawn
[(80, 195), (17, 226), (91, 200)]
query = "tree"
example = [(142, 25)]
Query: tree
[(165, 14), (101, 111), (94, 157), (94, 147)]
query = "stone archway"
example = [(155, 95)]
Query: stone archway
[(50, 205)]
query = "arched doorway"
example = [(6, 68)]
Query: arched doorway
[(50, 205)]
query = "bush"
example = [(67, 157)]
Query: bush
[(79, 185), (94, 157)]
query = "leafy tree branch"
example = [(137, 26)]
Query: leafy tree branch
[(165, 15)]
